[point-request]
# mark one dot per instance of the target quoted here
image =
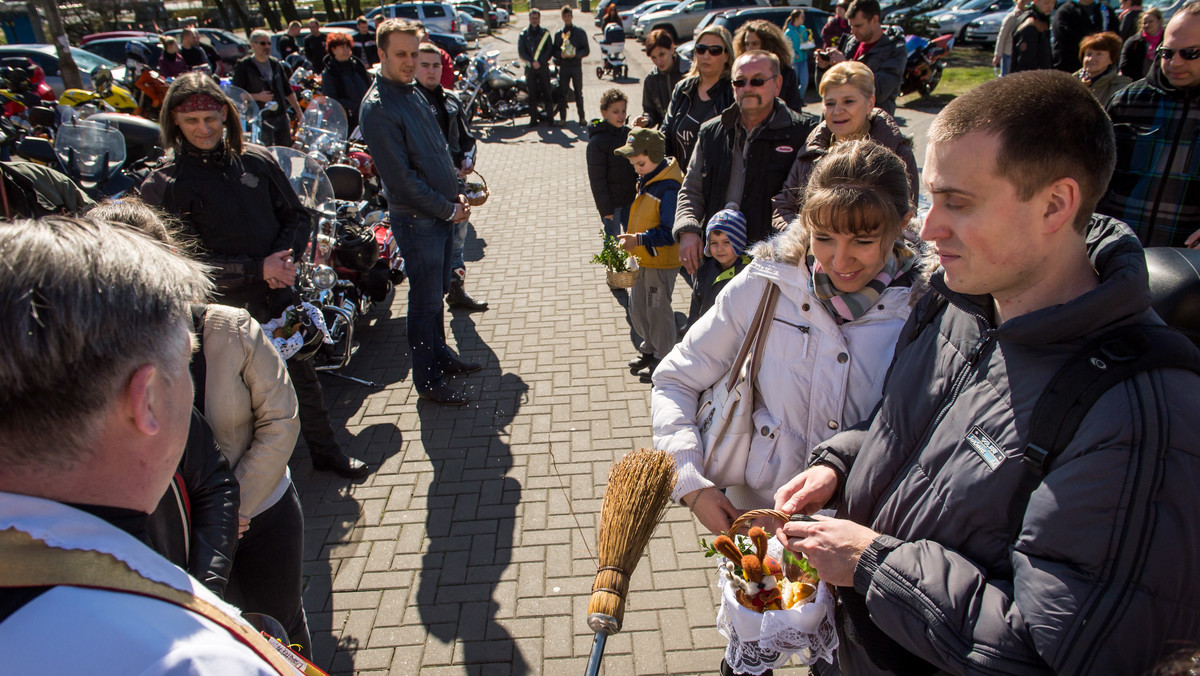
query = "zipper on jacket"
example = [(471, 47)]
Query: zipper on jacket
[(805, 331), (960, 380)]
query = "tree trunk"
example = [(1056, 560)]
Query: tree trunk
[(66, 63), (289, 10), (330, 12), (243, 16), (270, 15), (353, 9)]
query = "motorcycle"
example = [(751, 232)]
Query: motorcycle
[(923, 71), (23, 85), (108, 98), (495, 92), (92, 153)]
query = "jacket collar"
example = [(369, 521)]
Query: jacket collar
[(666, 170), (382, 82), (778, 119), (1123, 293)]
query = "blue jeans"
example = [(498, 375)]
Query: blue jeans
[(425, 244), (1005, 64), (617, 224), (801, 68), (457, 242)]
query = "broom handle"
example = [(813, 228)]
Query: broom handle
[(593, 668)]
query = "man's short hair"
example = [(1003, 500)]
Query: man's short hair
[(534, 11), (83, 304), (259, 33), (1191, 9), (361, 19), (293, 24), (566, 9), (392, 26), (1049, 126), (759, 54), (610, 97), (430, 48), (658, 38), (867, 8)]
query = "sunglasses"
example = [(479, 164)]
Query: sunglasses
[(1188, 53), (715, 50), (261, 42), (753, 82)]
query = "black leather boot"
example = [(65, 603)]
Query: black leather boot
[(339, 463), (458, 298)]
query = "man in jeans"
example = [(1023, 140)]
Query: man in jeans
[(960, 545), (421, 184)]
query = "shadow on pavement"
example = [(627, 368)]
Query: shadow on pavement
[(472, 506)]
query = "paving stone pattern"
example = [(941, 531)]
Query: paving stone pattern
[(470, 548)]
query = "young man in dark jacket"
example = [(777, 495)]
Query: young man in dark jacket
[(314, 44), (742, 157), (669, 69), (613, 180), (448, 110), (880, 48), (535, 46), (952, 553), (364, 43), (1152, 190), (570, 47), (290, 42), (424, 203)]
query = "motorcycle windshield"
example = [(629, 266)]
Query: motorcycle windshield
[(88, 151), (324, 126), (307, 177), (246, 106)]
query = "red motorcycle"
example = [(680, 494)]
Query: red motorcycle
[(923, 71)]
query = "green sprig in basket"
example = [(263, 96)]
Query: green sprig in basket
[(619, 272)]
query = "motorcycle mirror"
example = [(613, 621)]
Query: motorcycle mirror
[(270, 107)]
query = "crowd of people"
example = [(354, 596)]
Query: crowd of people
[(147, 420)]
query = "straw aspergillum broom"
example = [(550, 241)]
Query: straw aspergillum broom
[(639, 488)]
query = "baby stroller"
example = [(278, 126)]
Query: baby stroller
[(613, 46)]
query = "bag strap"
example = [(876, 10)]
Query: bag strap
[(768, 319), (1112, 358), (751, 335), (29, 562), (199, 365)]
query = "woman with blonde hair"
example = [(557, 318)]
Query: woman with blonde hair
[(1137, 55), (702, 95), (848, 94), (766, 36)]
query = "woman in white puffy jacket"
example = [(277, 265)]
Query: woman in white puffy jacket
[(848, 280)]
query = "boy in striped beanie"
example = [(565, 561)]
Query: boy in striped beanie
[(725, 256)]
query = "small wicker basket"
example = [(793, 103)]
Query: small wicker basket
[(479, 189), (753, 514), (622, 280)]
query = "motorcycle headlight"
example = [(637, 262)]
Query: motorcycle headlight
[(324, 277)]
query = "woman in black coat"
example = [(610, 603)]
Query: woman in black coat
[(1138, 53), (345, 78)]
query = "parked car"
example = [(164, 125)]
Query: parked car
[(489, 12), (983, 30), (229, 47), (621, 6), (437, 16), (115, 49), (470, 27), (681, 20), (475, 16), (115, 34), (46, 57), (733, 19), (631, 15), (954, 21), (904, 14)]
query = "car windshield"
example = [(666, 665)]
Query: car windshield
[(88, 61)]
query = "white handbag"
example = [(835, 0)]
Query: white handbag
[(726, 409)]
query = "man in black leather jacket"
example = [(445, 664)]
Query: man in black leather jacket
[(263, 76), (424, 202), (237, 203)]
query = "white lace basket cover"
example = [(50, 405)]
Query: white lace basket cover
[(292, 344), (762, 641)]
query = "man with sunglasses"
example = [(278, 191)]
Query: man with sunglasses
[(1156, 185), (742, 157), (265, 78)]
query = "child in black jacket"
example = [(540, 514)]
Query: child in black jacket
[(614, 183), (724, 258)]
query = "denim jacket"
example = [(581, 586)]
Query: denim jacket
[(409, 151)]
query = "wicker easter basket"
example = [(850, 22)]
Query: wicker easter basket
[(622, 280), (477, 191), (767, 640)]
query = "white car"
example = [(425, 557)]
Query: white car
[(983, 30), (630, 16), (955, 21)]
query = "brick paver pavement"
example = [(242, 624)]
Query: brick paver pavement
[(469, 549)]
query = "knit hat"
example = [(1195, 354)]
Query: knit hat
[(732, 223), (641, 140)]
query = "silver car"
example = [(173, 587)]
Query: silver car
[(954, 21), (984, 30)]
